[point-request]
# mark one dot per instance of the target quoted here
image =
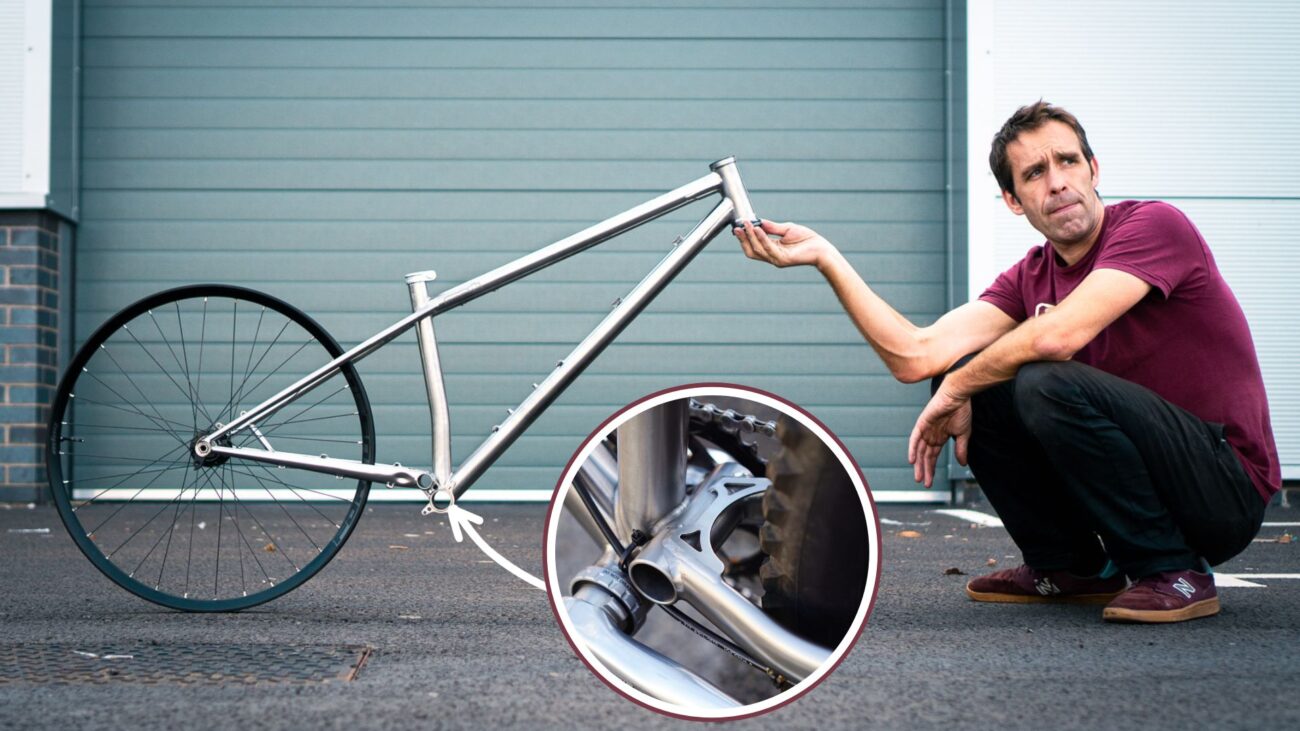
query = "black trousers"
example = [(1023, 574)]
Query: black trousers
[(1067, 453)]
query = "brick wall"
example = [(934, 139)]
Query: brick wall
[(29, 339)]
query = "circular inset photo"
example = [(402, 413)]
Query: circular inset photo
[(712, 552)]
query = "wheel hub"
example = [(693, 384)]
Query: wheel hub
[(205, 457)]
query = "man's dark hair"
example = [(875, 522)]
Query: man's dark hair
[(1027, 119)]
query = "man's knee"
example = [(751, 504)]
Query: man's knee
[(1039, 388)]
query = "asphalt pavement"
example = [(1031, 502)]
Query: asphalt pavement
[(458, 643)]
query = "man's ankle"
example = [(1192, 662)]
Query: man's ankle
[(1101, 567)]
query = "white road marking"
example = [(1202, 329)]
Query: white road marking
[(1242, 579), (1280, 524), (908, 496), (973, 516), (1235, 581)]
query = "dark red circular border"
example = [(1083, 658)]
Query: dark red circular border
[(600, 429)]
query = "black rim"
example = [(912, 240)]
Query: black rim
[(204, 535)]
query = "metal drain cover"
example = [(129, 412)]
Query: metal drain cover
[(188, 664)]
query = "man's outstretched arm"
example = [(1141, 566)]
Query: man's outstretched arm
[(911, 353)]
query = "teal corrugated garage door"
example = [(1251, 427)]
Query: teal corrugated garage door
[(319, 153)]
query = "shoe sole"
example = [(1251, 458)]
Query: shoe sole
[(1000, 598), (1204, 608)]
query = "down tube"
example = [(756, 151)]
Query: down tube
[(590, 347)]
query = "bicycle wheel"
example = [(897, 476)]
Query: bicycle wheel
[(205, 534), (815, 537)]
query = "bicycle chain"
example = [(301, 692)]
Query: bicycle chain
[(732, 421), (727, 428), (727, 646)]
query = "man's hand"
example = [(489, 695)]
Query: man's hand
[(796, 244), (945, 416)]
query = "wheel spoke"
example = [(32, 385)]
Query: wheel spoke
[(130, 380), (137, 412), (270, 428), (171, 529), (285, 511), (128, 475), (234, 323), (176, 500), (155, 361), (296, 490), (234, 516), (272, 373), (252, 348), (317, 439), (82, 426), (203, 331), (251, 551), (277, 425), (269, 346), (189, 556), (269, 536), (194, 397), (138, 531), (270, 474), (221, 519), (160, 421), (189, 394), (116, 458), (275, 546)]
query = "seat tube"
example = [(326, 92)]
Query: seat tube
[(439, 416), (651, 467)]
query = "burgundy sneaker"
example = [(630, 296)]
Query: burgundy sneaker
[(1025, 585), (1170, 596)]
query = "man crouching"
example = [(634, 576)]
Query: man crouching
[(1113, 411)]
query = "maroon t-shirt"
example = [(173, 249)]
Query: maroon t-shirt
[(1187, 340)]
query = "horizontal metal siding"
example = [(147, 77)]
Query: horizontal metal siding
[(320, 153), (391, 22)]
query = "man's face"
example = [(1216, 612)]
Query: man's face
[(1054, 184)]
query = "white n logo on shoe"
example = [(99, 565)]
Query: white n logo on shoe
[(1046, 587), (1184, 587)]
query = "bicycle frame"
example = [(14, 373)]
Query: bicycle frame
[(442, 485)]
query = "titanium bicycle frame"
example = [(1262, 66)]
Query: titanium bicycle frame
[(650, 471), (442, 485)]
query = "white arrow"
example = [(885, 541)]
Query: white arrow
[(462, 519)]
